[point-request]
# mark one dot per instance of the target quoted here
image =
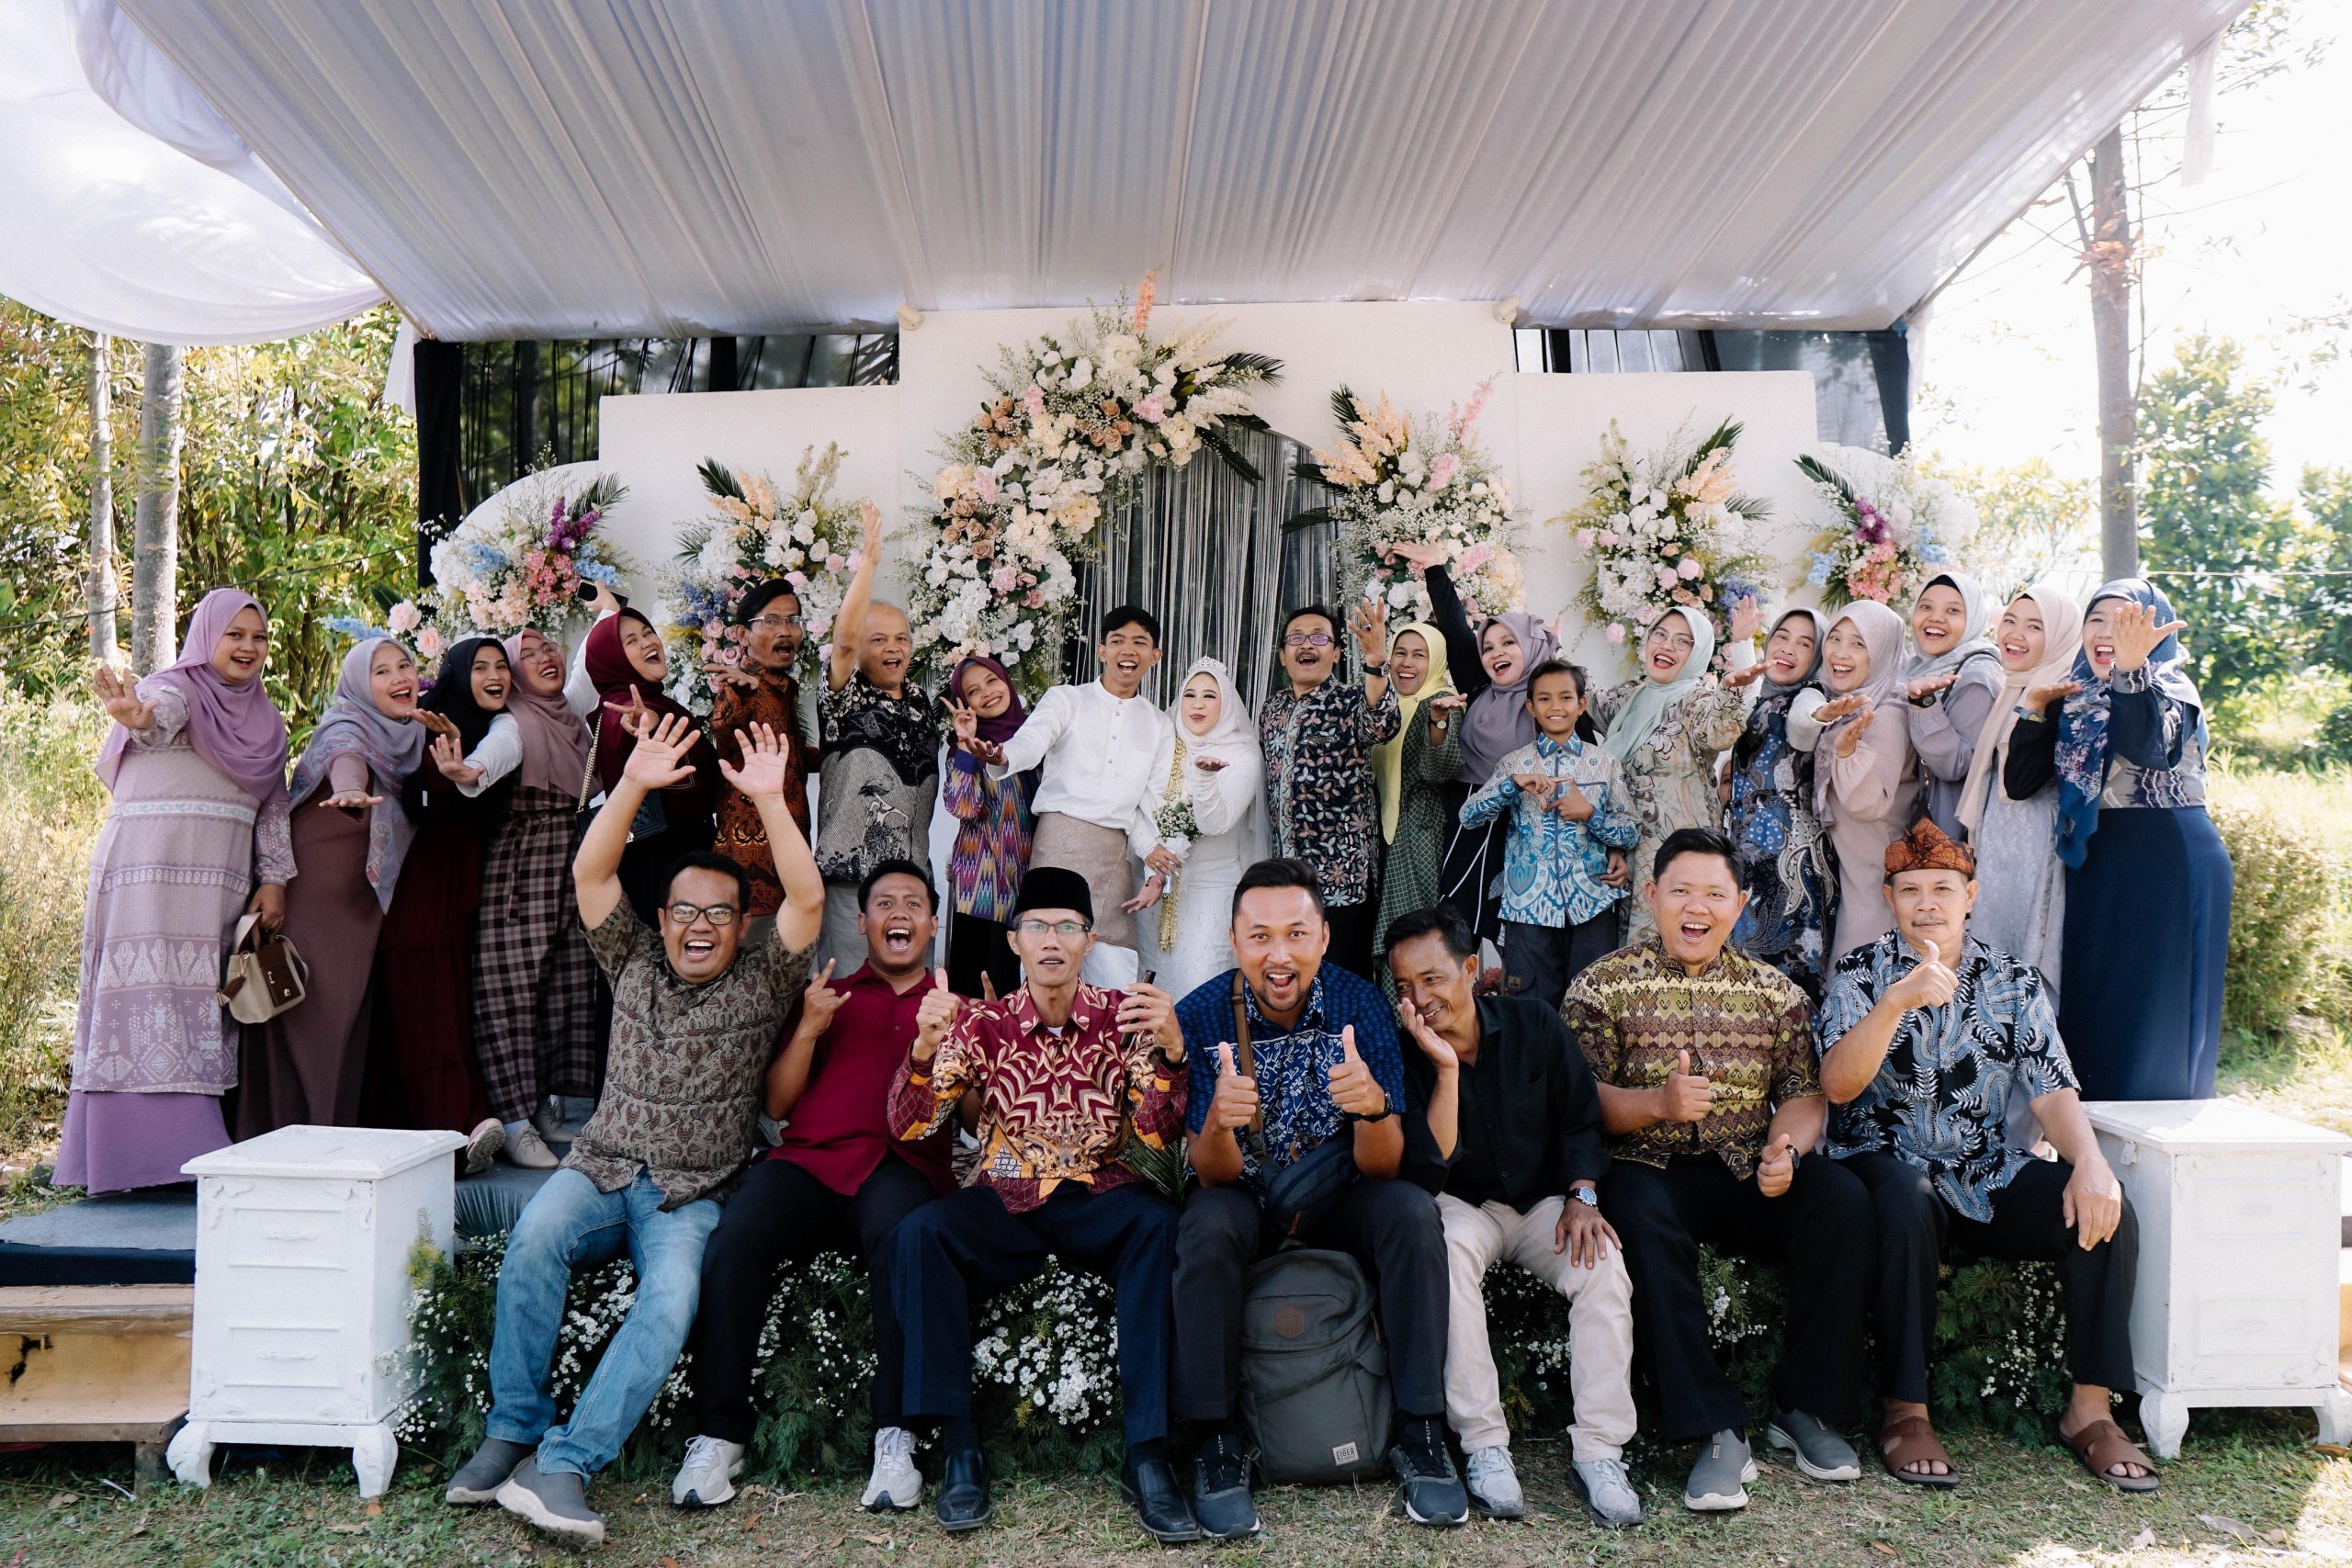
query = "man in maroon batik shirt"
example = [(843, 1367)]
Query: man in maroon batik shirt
[(837, 1181)]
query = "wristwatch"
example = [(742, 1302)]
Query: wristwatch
[(1588, 1197), (1383, 1114), (1380, 669)]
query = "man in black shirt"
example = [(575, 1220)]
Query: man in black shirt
[(1515, 1151)]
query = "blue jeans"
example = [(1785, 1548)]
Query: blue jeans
[(568, 1225)]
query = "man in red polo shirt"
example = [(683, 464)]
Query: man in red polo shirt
[(836, 1182)]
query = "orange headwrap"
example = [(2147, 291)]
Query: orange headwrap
[(1927, 848)]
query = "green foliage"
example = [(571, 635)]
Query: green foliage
[(44, 493), (2203, 463), (2326, 497), (2030, 520), (2290, 914), (50, 806)]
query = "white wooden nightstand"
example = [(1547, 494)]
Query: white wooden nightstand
[(2235, 1299), (302, 1246)]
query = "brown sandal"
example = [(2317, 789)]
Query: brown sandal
[(2101, 1446), (1912, 1440)]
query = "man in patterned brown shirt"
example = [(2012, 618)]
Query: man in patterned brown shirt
[(1705, 1063), (694, 1022)]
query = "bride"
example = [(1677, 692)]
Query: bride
[(1219, 774)]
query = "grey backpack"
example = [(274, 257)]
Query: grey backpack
[(1314, 1372)]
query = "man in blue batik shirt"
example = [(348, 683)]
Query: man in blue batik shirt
[(1322, 1065)]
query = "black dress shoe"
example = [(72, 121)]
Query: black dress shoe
[(964, 1501), (1150, 1486)]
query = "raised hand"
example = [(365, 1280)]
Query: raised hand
[(869, 532), (720, 670), (1235, 1104), (437, 723), (603, 600), (1443, 709), (2039, 698), (1929, 985), (1420, 555), (1369, 622), (1153, 886), (654, 761), (966, 722), (635, 715), (451, 759), (1354, 1088), (766, 762), (1209, 765), (1747, 618), (1440, 1055), (939, 1009), (1584, 1236), (1851, 735), (1836, 708), (1778, 1168), (1685, 1095), (1928, 685), (1735, 678), (1569, 804), (351, 800), (119, 694), (2137, 634), (820, 1002)]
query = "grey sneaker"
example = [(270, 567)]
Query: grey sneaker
[(706, 1479), (1607, 1491), (528, 1149), (1719, 1481), (555, 1500), (1492, 1481), (478, 1479), (1820, 1453)]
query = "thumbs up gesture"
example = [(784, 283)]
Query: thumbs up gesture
[(1930, 984), (1685, 1095), (1778, 1168), (938, 1010), (1354, 1088), (1235, 1104)]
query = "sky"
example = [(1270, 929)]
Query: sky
[(2257, 249)]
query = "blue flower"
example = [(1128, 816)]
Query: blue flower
[(354, 627), (1822, 565), (596, 570), (485, 559), (1932, 551)]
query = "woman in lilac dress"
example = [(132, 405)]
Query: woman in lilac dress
[(196, 765)]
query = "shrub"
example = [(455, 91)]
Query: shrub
[(1046, 1370), (50, 808), (2286, 879)]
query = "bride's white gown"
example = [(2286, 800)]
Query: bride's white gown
[(1227, 807)]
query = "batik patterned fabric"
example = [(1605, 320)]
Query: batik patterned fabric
[(1552, 867), (1786, 859), (1294, 1065), (1671, 774), (1056, 1105), (1748, 1027), (1957, 1079), (994, 829), (681, 1080), (880, 777), (774, 701), (1319, 780)]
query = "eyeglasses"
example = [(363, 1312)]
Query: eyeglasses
[(688, 914), (774, 623), (1308, 639), (1069, 930)]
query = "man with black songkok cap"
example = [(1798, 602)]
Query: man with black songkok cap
[(1064, 1071), (757, 690)]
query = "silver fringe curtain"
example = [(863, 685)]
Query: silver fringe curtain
[(1205, 551)]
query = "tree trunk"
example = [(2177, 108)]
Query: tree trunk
[(2112, 253), (104, 584), (154, 582)]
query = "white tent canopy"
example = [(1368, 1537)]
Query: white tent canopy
[(537, 168)]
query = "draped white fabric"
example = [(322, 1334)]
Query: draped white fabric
[(163, 230), (677, 167)]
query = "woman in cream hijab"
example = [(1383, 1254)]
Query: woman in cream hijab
[(1865, 790), (1412, 774), (1219, 774)]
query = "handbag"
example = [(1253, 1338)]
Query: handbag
[(1303, 1191), (266, 975)]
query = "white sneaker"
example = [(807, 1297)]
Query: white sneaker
[(482, 1145), (1494, 1483), (896, 1483), (707, 1478), (528, 1149), (1608, 1491)]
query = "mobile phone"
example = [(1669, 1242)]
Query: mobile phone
[(1150, 976), (588, 594)]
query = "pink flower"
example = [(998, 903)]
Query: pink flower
[(1152, 407), (405, 618), (984, 483), (1665, 577), (1689, 568), (1474, 558), (1033, 403), (428, 643), (1607, 537), (1033, 601), (1617, 634), (798, 579), (836, 563), (1143, 296), (1584, 538), (1441, 472), (1005, 580)]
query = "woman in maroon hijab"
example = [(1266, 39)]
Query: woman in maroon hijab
[(624, 658)]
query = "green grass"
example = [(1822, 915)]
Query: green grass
[(2249, 1485)]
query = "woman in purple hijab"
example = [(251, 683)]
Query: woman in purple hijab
[(197, 766), (994, 826)]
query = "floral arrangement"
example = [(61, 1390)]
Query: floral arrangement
[(806, 537), (520, 564), (404, 620), (1071, 424), (1177, 827), (1894, 526), (1405, 481), (1668, 530), (1044, 1359)]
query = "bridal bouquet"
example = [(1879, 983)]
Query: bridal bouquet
[(1403, 481), (1666, 530), (806, 536), (1177, 827), (1071, 424), (1893, 527), (520, 564)]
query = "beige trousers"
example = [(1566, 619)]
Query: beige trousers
[(1601, 1326)]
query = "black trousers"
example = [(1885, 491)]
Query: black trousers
[(1821, 1227), (780, 1214), (1543, 959), (1390, 1227), (1352, 937), (2029, 1224), (967, 1246), (977, 947)]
